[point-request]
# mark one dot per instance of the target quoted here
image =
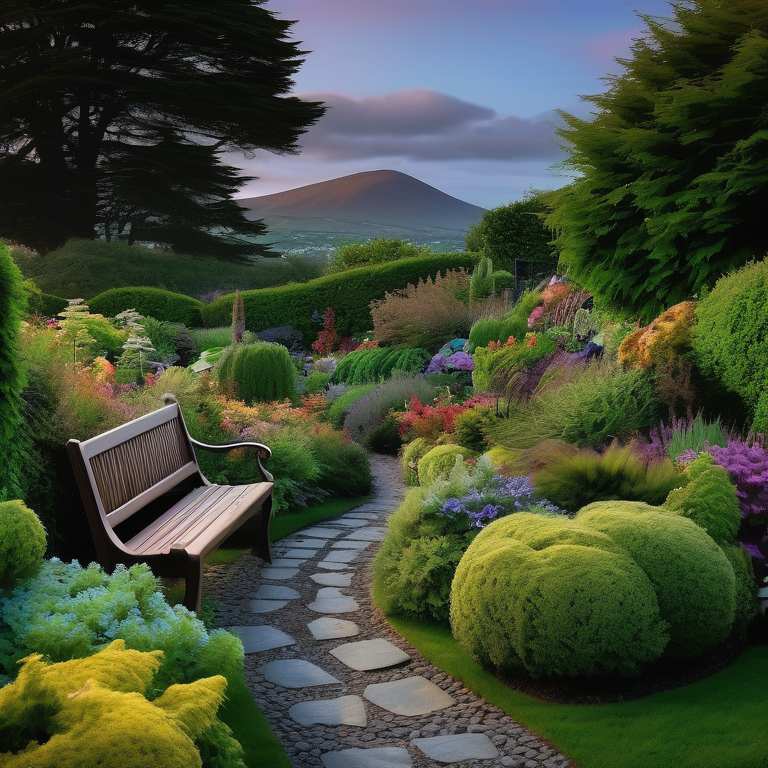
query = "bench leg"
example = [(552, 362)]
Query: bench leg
[(194, 583), (261, 543)]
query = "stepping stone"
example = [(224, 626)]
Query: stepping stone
[(332, 566), (344, 544), (362, 515), (348, 523), (278, 574), (332, 579), (341, 556), (327, 628), (378, 757), (370, 654), (369, 534), (296, 673), (456, 748), (301, 542), (346, 710), (330, 600), (288, 562), (263, 638), (299, 553), (321, 533), (267, 606), (410, 696), (275, 592)]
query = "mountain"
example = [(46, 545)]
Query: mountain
[(372, 203)]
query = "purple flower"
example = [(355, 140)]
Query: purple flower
[(437, 364), (460, 361)]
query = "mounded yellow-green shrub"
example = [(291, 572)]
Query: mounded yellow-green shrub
[(412, 453), (22, 540), (90, 713), (693, 579), (503, 459), (552, 597), (709, 499), (439, 461)]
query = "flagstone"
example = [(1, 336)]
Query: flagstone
[(267, 606), (299, 553), (370, 654), (374, 533), (262, 638), (410, 696), (276, 592), (321, 533), (327, 628), (331, 600), (341, 556), (346, 710), (345, 544), (346, 523), (333, 566), (278, 574), (332, 579), (288, 562), (457, 747), (296, 673)]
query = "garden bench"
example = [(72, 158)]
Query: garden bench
[(144, 477)]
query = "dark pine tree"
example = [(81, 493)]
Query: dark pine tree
[(114, 117)]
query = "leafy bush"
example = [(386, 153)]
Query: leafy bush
[(315, 382), (260, 371), (93, 712), (374, 406), (67, 611), (150, 302), (708, 499), (349, 293), (573, 480), (729, 338), (692, 578), (411, 455), (439, 461), (379, 250), (373, 365), (22, 541), (550, 596), (497, 329), (344, 467), (471, 426), (385, 436)]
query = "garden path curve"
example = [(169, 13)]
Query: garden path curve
[(337, 684)]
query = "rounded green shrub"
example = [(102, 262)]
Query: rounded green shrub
[(745, 604), (551, 597), (729, 338), (412, 454), (262, 372), (693, 580), (150, 302), (709, 499), (367, 365), (22, 540), (439, 461), (470, 427)]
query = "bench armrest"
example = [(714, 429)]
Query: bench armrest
[(262, 452)]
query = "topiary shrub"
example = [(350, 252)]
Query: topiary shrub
[(150, 302), (549, 596), (709, 499), (693, 580), (729, 338), (439, 461), (22, 541), (92, 712), (412, 454), (572, 479), (262, 372)]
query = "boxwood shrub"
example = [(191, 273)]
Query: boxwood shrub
[(439, 461), (151, 302), (22, 540), (348, 293)]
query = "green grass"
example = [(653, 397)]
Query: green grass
[(251, 729), (714, 723), (85, 268), (285, 525)]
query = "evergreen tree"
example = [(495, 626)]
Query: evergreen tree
[(114, 117), (674, 166)]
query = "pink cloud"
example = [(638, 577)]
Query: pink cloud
[(607, 47)]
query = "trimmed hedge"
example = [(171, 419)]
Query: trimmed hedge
[(348, 293), (694, 581), (50, 305), (373, 365), (152, 302)]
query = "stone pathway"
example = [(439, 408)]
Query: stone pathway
[(338, 685)]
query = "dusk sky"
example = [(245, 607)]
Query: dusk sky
[(459, 94)]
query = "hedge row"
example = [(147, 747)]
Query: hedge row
[(152, 302), (349, 293)]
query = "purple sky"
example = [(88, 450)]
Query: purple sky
[(459, 94)]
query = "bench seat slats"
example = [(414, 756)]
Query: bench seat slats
[(201, 520)]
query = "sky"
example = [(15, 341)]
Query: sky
[(460, 94)]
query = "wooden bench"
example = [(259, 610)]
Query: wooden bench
[(148, 468)]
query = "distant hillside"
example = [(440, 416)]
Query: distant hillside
[(373, 203)]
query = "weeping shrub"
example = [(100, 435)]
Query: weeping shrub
[(572, 480), (372, 365), (262, 372)]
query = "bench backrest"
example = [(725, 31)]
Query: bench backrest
[(133, 464)]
